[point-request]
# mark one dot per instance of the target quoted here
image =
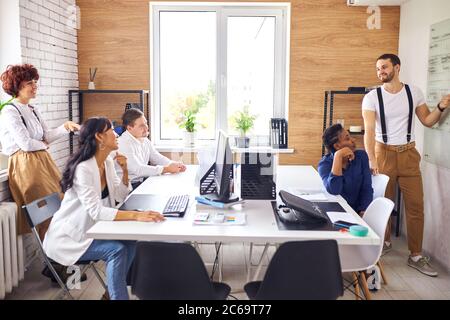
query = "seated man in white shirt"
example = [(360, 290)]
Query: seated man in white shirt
[(142, 158)]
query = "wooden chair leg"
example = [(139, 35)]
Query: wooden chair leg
[(364, 285), (355, 281), (383, 275)]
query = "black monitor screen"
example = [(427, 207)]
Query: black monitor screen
[(223, 166)]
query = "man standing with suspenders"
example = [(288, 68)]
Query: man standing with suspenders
[(388, 114)]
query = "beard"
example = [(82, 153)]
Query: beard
[(388, 78)]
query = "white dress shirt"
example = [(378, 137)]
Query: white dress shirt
[(14, 135), (82, 206), (139, 153)]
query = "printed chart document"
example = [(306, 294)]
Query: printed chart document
[(220, 219)]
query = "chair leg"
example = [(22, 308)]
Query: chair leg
[(356, 285), (58, 279), (100, 279), (383, 275), (258, 270), (364, 285)]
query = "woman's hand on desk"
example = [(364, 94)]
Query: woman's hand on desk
[(149, 216)]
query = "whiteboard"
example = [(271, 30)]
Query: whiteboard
[(437, 138)]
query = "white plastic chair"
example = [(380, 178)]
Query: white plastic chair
[(379, 184), (357, 259)]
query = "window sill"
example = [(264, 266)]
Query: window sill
[(3, 175), (265, 149)]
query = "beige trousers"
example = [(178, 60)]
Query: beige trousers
[(401, 164)]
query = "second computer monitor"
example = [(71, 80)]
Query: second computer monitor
[(222, 169)]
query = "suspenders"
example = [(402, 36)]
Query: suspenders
[(383, 119), (21, 116)]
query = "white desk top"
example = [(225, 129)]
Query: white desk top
[(261, 224)]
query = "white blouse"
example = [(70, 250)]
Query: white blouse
[(14, 135)]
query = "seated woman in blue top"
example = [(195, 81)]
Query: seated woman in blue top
[(344, 170)]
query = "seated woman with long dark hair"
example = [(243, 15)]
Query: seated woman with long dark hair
[(91, 188)]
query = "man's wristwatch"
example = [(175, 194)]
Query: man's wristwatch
[(440, 109)]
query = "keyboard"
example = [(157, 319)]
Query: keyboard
[(176, 206)]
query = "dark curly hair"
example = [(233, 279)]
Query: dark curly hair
[(15, 75), (331, 136)]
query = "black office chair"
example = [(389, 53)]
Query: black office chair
[(301, 270), (37, 212), (172, 271)]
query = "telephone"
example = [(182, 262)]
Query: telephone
[(297, 210)]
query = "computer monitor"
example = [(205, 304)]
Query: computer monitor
[(223, 167)]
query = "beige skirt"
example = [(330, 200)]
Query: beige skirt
[(32, 175)]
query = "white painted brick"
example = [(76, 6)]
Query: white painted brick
[(43, 11), (23, 22), (23, 42), (30, 6), (47, 47), (38, 2), (69, 83), (54, 16), (60, 27), (46, 98), (45, 81), (65, 107), (54, 1), (31, 34), (33, 44), (34, 62), (32, 25), (52, 107), (56, 82), (25, 13), (59, 115), (49, 56), (46, 64), (37, 54), (70, 45), (44, 29)]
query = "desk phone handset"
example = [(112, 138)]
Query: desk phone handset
[(297, 209)]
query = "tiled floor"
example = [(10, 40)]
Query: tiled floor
[(403, 281)]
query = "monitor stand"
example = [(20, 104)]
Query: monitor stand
[(213, 197)]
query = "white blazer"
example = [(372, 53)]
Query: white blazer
[(66, 241)]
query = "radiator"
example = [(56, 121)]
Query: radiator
[(11, 249)]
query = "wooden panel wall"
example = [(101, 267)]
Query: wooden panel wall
[(331, 49)]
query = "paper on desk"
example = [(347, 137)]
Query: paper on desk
[(310, 195), (344, 216)]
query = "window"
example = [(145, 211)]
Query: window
[(214, 59)]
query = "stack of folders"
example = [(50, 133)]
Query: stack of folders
[(279, 133)]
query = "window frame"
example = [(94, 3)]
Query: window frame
[(280, 10)]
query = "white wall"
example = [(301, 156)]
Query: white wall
[(416, 17)]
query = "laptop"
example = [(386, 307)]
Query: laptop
[(145, 202)]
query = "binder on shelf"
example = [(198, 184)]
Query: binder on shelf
[(279, 133)]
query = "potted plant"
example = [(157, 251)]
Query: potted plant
[(2, 104), (188, 124), (243, 121)]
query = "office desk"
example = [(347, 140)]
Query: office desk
[(261, 225)]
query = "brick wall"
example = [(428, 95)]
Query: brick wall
[(49, 42)]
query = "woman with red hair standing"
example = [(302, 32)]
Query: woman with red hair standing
[(25, 138)]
